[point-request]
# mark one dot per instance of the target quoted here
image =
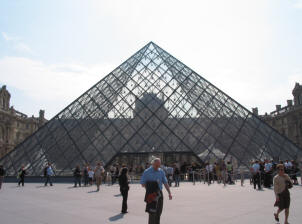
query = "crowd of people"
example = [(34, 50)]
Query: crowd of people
[(262, 172), (267, 173)]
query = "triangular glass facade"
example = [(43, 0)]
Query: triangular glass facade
[(150, 103)]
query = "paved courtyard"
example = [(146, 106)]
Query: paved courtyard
[(63, 204)]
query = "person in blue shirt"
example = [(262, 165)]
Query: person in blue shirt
[(268, 174), (48, 173), (155, 173), (256, 175)]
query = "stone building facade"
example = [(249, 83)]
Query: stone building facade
[(288, 119), (14, 125)]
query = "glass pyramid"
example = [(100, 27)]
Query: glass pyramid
[(150, 103)]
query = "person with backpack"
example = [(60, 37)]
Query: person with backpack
[(229, 168), (48, 173), (2, 174), (153, 180), (21, 176)]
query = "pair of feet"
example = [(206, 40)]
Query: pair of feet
[(124, 212), (277, 218)]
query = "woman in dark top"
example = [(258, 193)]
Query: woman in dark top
[(77, 176), (124, 188)]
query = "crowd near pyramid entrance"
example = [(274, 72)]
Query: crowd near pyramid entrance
[(152, 104)]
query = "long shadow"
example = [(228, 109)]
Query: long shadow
[(92, 191), (41, 186), (118, 195), (116, 217)]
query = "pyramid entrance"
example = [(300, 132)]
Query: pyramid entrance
[(151, 103)]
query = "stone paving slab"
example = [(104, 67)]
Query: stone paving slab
[(200, 203)]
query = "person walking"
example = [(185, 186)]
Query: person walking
[(98, 172), (176, 175), (218, 172), (282, 183), (256, 175), (169, 172), (209, 175), (123, 181), (21, 176), (112, 174), (85, 175), (90, 175), (48, 173), (77, 176), (229, 168), (267, 174), (2, 174), (153, 179)]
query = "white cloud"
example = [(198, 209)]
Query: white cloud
[(298, 4), (8, 37), (23, 48), (17, 44), (52, 86)]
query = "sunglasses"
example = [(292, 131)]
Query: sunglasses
[(281, 169)]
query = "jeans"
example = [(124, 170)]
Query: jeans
[(177, 179), (48, 179), (77, 180), (154, 218), (125, 198)]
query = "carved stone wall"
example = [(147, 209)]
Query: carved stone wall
[(14, 125)]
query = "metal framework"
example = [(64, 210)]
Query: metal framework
[(150, 103)]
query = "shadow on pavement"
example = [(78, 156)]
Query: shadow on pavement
[(116, 217), (117, 195), (93, 191)]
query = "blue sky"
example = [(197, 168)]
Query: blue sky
[(52, 51)]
